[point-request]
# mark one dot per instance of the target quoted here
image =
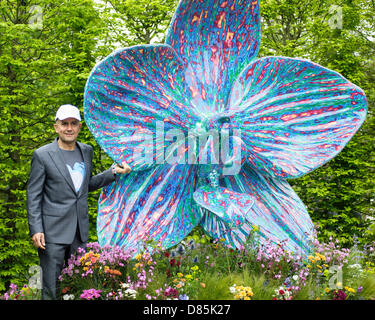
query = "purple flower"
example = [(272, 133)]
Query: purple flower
[(90, 294), (13, 286), (339, 295), (171, 292)]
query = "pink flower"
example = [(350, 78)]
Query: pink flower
[(90, 294)]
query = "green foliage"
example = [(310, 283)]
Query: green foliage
[(336, 34), (142, 21)]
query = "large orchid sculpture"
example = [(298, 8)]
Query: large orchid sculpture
[(212, 133)]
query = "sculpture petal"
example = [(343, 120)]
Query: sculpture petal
[(294, 115), (128, 95), (216, 40), (229, 206), (277, 211), (155, 204)]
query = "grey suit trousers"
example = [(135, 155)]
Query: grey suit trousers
[(52, 261)]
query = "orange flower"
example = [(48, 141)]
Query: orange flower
[(116, 272), (113, 272), (65, 290), (203, 285)]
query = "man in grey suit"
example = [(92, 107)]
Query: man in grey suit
[(57, 196)]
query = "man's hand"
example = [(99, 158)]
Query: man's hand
[(124, 169), (38, 240)]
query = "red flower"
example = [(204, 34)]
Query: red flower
[(281, 291), (178, 263), (65, 290), (339, 295), (172, 262), (166, 254)]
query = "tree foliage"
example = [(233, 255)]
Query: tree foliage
[(132, 22), (338, 35)]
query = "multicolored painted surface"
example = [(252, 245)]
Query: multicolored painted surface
[(150, 106), (231, 207)]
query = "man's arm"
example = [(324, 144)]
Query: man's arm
[(102, 179), (108, 176), (34, 195)]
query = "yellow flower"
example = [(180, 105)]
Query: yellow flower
[(327, 290), (351, 290), (189, 277), (246, 298), (180, 274), (25, 290), (138, 256), (194, 268)]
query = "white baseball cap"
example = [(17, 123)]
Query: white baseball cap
[(68, 111)]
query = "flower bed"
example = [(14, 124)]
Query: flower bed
[(191, 271)]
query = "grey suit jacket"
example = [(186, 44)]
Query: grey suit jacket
[(53, 205)]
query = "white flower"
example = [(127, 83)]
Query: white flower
[(125, 285), (68, 296), (233, 289), (130, 293), (295, 277)]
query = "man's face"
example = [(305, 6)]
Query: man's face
[(68, 129)]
